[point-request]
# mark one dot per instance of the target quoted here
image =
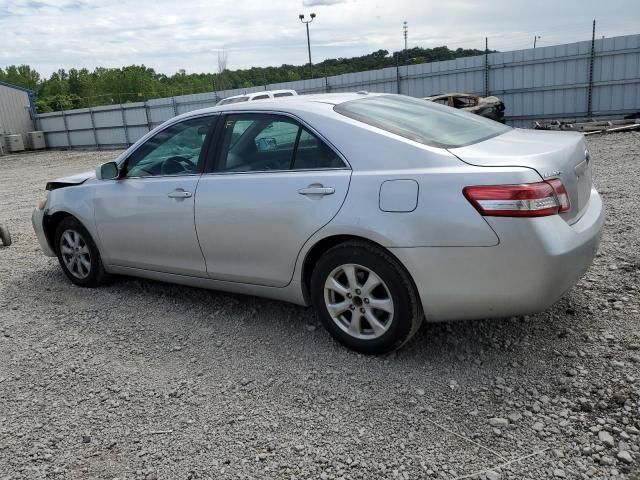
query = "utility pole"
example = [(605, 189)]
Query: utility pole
[(535, 40), (307, 22), (405, 32)]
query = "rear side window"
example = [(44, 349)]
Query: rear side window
[(261, 142), (260, 97), (312, 153), (422, 121)]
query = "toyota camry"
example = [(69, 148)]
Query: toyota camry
[(382, 211)]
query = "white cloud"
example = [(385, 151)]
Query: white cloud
[(168, 35), (312, 3)]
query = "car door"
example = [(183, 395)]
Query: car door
[(275, 183), (145, 219)]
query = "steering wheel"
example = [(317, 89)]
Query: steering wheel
[(174, 165)]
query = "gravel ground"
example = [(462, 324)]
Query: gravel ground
[(142, 380)]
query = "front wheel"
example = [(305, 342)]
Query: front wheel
[(78, 254), (365, 298)]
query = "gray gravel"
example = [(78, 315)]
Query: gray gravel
[(142, 380)]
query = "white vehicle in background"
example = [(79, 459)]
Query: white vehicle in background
[(265, 95)]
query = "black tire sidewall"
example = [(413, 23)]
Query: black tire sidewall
[(396, 282), (96, 272), (5, 236)]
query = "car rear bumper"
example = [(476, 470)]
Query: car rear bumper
[(37, 219), (535, 263)]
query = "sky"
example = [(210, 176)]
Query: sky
[(188, 34)]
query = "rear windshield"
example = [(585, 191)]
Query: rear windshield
[(422, 121)]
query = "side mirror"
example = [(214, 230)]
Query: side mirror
[(108, 171)]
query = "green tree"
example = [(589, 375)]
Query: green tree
[(22, 76), (104, 86)]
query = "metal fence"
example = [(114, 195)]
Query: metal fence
[(571, 81)]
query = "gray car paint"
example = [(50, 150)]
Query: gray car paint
[(464, 265)]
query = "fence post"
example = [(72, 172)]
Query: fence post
[(397, 78), (327, 87), (93, 127), (146, 114), (486, 66), (175, 106), (66, 128), (124, 125), (591, 60)]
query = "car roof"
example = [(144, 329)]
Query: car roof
[(289, 103)]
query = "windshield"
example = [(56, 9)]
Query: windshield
[(422, 121)]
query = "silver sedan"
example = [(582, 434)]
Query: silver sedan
[(379, 210)]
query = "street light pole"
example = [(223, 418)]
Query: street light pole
[(535, 40), (307, 22)]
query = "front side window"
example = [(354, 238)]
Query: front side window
[(421, 121), (282, 94), (173, 151), (263, 142)]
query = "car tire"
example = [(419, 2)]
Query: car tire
[(5, 236), (78, 255), (365, 298)]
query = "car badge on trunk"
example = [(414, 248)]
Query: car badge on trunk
[(555, 173)]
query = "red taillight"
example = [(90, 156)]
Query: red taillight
[(561, 194), (524, 200)]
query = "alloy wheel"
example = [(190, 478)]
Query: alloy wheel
[(75, 254), (358, 301)]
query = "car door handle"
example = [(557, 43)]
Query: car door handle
[(317, 191), (179, 194)]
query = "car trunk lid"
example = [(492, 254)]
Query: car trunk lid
[(562, 155)]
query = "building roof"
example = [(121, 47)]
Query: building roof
[(10, 85), (30, 94)]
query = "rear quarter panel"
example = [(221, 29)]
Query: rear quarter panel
[(443, 216)]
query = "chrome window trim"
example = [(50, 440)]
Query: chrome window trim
[(159, 176), (300, 170)]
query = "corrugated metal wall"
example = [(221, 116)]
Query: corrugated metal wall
[(15, 116), (542, 83)]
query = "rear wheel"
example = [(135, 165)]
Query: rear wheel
[(365, 298), (78, 254)]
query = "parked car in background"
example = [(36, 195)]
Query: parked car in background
[(265, 95), (379, 210), (488, 107)]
